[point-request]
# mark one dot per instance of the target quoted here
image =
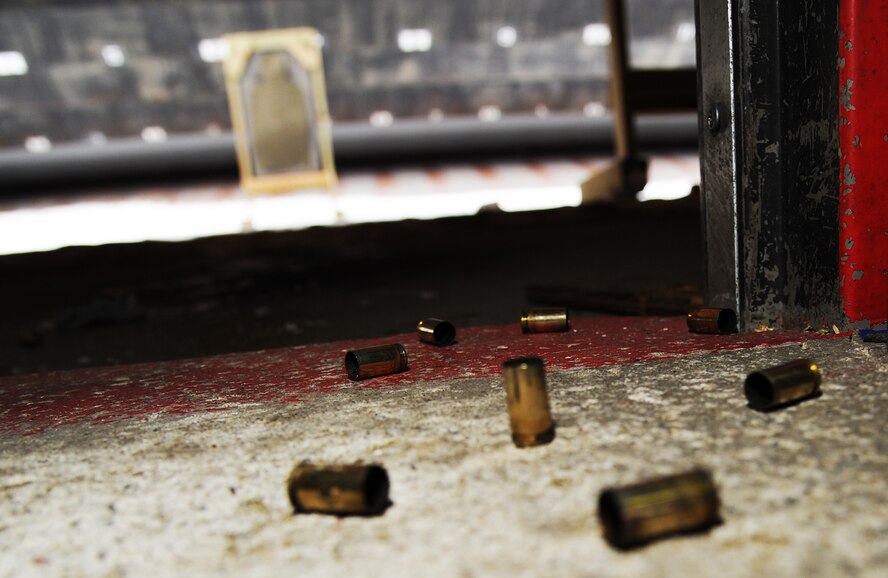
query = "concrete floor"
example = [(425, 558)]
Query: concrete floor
[(803, 489)]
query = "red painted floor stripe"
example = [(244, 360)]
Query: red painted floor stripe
[(34, 403)]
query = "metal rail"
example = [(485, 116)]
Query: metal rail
[(355, 145)]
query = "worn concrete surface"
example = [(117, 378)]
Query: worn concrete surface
[(33, 403), (803, 489)]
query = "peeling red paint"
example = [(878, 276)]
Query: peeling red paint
[(863, 139), (33, 403), (37, 402)]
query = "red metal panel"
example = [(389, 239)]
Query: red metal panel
[(863, 138), (33, 403)]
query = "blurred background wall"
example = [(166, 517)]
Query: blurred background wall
[(95, 70)]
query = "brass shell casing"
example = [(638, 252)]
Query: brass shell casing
[(642, 512), (342, 490), (712, 320), (547, 320), (375, 361), (436, 331), (782, 385), (528, 402)]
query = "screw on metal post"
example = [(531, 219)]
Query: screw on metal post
[(714, 117), (527, 399), (639, 513), (375, 361), (436, 331), (783, 385), (341, 490)]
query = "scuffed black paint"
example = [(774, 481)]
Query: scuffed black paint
[(785, 143)]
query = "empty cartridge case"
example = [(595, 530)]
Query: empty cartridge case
[(782, 385), (639, 513), (528, 402), (375, 361), (712, 320), (436, 331), (547, 320), (342, 490)]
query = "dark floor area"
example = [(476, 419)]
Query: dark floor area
[(90, 306)]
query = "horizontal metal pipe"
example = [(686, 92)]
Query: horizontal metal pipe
[(354, 144)]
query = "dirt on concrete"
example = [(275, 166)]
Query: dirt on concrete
[(802, 489)]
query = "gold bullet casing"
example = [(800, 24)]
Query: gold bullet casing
[(375, 361), (782, 385), (436, 331), (712, 320), (342, 490), (546, 320), (528, 402), (638, 513)]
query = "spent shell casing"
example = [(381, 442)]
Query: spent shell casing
[(528, 402), (545, 320), (375, 361), (776, 387), (436, 331), (712, 320), (342, 490), (639, 513)]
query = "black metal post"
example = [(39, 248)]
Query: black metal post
[(767, 88)]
